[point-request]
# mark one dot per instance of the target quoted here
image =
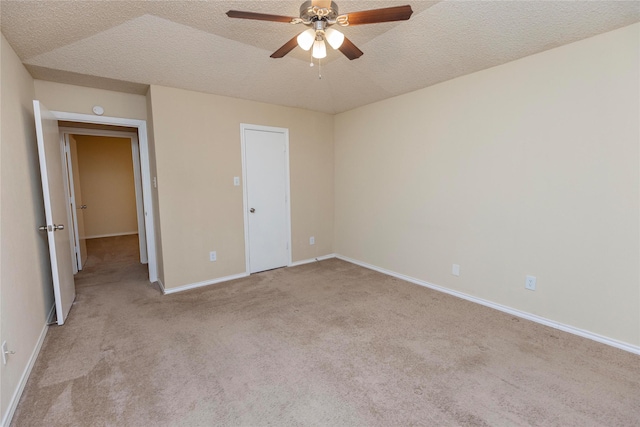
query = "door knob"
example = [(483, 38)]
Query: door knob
[(83, 206), (252, 210), (43, 228), (58, 227)]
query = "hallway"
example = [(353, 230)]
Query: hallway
[(112, 259)]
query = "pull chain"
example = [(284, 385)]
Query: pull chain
[(319, 68)]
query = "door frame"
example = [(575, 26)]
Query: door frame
[(245, 203), (137, 179), (145, 169)]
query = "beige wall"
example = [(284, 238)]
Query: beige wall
[(25, 284), (106, 176), (197, 144), (529, 168), (79, 99)]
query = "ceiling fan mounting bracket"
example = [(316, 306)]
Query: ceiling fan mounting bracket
[(310, 13)]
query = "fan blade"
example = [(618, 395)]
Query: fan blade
[(398, 13), (258, 16), (286, 48), (350, 50)]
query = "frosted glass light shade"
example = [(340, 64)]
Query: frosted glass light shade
[(306, 38), (319, 49), (334, 37)]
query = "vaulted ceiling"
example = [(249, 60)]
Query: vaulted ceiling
[(127, 45)]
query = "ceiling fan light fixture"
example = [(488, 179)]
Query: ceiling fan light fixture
[(320, 15), (334, 37), (306, 39), (319, 49)]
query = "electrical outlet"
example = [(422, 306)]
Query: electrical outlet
[(455, 270), (213, 256), (236, 181), (312, 240), (530, 283)]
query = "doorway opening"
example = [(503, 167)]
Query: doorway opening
[(104, 191), (55, 192), (136, 130)]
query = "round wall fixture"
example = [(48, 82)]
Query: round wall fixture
[(98, 110)]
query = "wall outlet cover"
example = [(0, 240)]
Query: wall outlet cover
[(213, 256), (455, 270), (530, 283), (312, 240)]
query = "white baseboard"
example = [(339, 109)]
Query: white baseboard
[(310, 260), (100, 236), (233, 277), (15, 399), (161, 286), (522, 314), (201, 284), (51, 313)]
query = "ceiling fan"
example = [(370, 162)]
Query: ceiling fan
[(320, 15)]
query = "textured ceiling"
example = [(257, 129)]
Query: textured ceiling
[(127, 45)]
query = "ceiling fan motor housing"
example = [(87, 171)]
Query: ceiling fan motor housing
[(310, 13)]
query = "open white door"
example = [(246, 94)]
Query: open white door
[(79, 205), (69, 196), (51, 171), (74, 198), (137, 181)]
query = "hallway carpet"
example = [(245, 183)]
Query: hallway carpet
[(322, 344)]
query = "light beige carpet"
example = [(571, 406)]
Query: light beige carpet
[(323, 344)]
